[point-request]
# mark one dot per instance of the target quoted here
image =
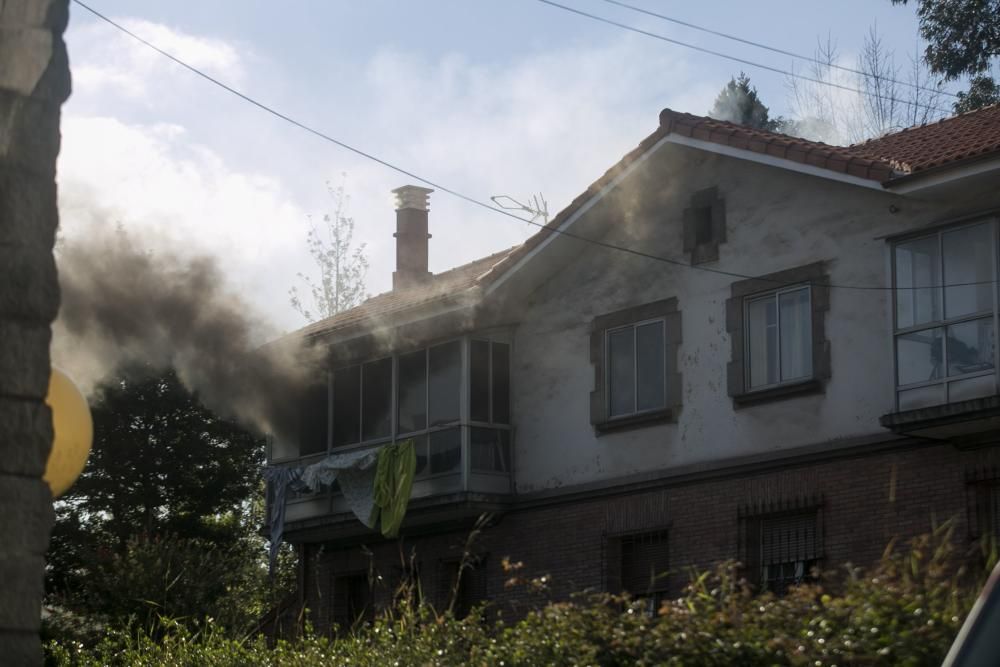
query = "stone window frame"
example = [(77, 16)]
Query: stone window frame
[(816, 276), (664, 309), (706, 251)]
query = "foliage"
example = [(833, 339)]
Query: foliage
[(738, 102), (163, 519), (963, 39), (904, 611), (342, 267)]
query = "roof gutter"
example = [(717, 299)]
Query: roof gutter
[(943, 174), (772, 161)]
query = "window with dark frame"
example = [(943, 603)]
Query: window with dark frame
[(778, 335), (945, 316), (468, 586), (781, 549), (644, 566), (984, 508), (428, 386), (636, 369), (351, 600)]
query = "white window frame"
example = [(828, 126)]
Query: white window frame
[(747, 357), (944, 322), (634, 326)]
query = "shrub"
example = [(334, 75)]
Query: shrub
[(904, 611)]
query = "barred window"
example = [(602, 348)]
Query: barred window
[(782, 549), (644, 566), (984, 508), (351, 600), (468, 586)]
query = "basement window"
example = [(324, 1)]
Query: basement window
[(644, 567), (782, 549)]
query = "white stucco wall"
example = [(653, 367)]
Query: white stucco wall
[(776, 219)]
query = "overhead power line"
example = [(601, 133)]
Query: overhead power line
[(455, 193), (773, 49), (726, 56)]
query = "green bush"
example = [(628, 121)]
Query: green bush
[(904, 611)]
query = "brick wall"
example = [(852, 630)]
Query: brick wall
[(866, 501)]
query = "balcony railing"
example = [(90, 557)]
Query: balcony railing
[(454, 460)]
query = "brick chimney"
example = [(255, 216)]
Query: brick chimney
[(411, 236)]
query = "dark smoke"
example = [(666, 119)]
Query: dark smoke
[(123, 306)]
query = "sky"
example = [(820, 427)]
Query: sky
[(509, 97)]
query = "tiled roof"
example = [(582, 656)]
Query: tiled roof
[(438, 288), (947, 141), (814, 153), (916, 149)]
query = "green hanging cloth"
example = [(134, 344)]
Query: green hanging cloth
[(394, 473)]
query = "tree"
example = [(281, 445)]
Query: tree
[(828, 108), (342, 267), (738, 102), (163, 519), (963, 39)]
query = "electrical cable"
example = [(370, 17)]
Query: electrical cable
[(720, 54), (773, 49), (542, 226)]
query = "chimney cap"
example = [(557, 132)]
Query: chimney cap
[(412, 196)]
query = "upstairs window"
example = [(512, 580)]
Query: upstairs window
[(362, 400), (779, 337), (945, 339), (636, 357), (489, 382), (314, 419)]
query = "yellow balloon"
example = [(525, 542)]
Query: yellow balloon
[(74, 433)]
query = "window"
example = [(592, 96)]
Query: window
[(489, 382), (778, 337), (777, 328), (984, 508), (704, 226), (635, 352), (644, 567), (945, 339), (781, 549), (314, 420), (636, 369), (351, 600), (466, 590)]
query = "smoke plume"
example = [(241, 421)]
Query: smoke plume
[(124, 306)]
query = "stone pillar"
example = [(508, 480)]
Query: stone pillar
[(34, 82)]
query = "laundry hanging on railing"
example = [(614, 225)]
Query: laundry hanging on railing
[(397, 465), (355, 473), (280, 481)]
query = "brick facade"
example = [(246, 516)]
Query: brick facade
[(866, 500)]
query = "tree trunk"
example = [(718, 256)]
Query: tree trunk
[(34, 82)]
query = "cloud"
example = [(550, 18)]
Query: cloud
[(141, 147), (114, 63)]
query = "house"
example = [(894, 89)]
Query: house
[(735, 344)]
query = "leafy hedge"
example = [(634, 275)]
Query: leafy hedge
[(904, 611)]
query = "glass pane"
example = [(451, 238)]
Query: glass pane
[(479, 381), (649, 367), (970, 346), (420, 446), (376, 401), (621, 371), (911, 399), (313, 422), (490, 450), (347, 406), (918, 266), (501, 383), (762, 341), (918, 357), (796, 334), (968, 258), (445, 381), (446, 451), (975, 387), (412, 398)]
